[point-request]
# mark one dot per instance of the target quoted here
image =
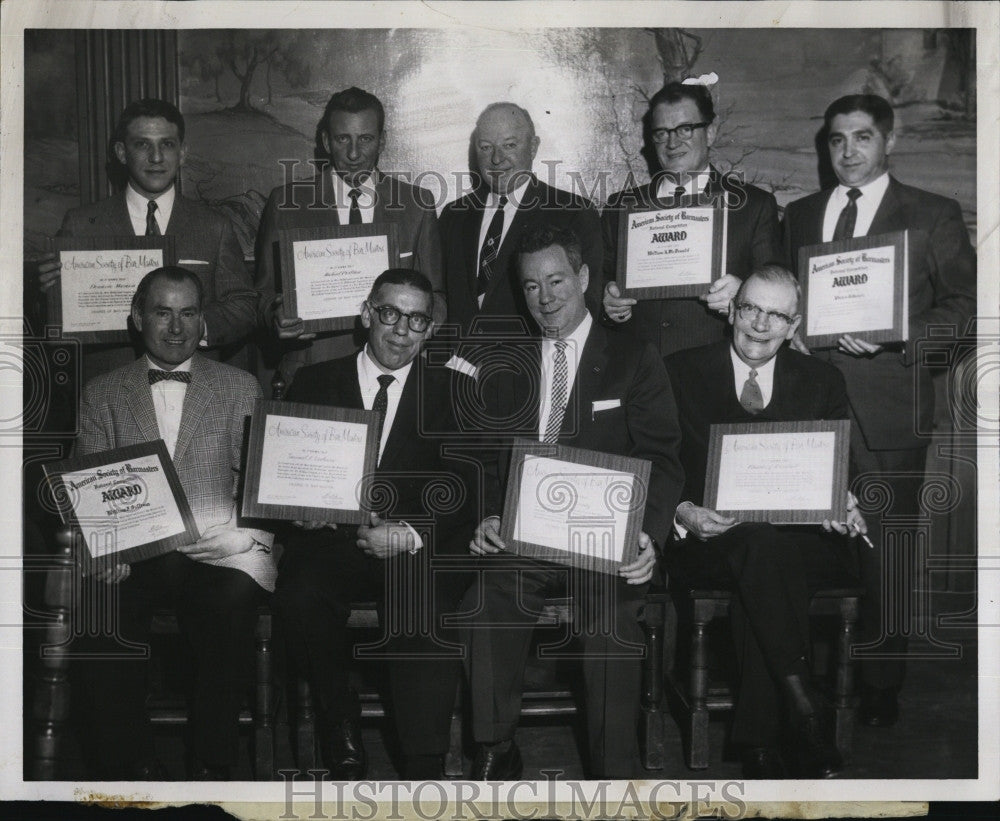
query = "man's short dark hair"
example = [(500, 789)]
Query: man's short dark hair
[(171, 273), (353, 100), (148, 107), (676, 92), (403, 276), (539, 237), (772, 272), (876, 107)]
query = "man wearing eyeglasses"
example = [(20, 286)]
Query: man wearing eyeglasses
[(683, 127), (772, 571), (391, 559)]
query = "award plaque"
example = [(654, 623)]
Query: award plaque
[(856, 286), (127, 503), (326, 273), (310, 462), (93, 297), (575, 507), (779, 472), (671, 252)]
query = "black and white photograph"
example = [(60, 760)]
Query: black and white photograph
[(600, 223)]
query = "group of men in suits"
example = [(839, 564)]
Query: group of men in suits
[(518, 256)]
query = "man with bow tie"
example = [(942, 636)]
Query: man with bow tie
[(199, 408)]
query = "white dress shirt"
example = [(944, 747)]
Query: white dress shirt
[(138, 207), (868, 203), (574, 350), (696, 184), (765, 376), (366, 200), (168, 402)]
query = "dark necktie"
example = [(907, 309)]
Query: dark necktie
[(848, 217), (354, 216), (152, 227), (381, 403), (679, 192), (491, 249), (751, 398), (169, 376), (557, 407)]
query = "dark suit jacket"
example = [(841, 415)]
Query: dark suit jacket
[(613, 366), (207, 245), (891, 404), (412, 464), (703, 382), (752, 238), (461, 221), (312, 204)]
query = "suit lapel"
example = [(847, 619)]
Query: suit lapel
[(179, 218), (591, 376), (403, 424), (783, 386), (118, 220), (889, 215), (383, 193), (139, 399), (197, 400)]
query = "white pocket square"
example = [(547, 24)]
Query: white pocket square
[(192, 262), (605, 404), (405, 254)]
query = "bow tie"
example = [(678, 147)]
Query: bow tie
[(176, 376)]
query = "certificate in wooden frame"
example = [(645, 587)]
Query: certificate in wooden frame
[(590, 525), (110, 243), (287, 238), (125, 488), (775, 431), (899, 331), (309, 437), (718, 250)]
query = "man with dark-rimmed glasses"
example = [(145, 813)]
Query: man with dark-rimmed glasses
[(391, 560)]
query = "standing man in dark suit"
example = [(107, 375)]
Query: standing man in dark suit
[(889, 404), (149, 143), (347, 189), (199, 408), (391, 560), (481, 231), (585, 387), (772, 571), (682, 125)]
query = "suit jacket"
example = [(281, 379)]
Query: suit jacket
[(752, 238), (703, 381), (613, 366), (312, 204), (461, 221), (206, 245), (412, 465), (117, 410), (888, 399)]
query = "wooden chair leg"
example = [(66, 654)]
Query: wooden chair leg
[(264, 697), (453, 766), (652, 727), (305, 729), (698, 722), (844, 686)]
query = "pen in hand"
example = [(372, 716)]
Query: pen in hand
[(854, 533)]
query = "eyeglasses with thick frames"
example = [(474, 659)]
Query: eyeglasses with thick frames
[(749, 312), (388, 315), (684, 132)]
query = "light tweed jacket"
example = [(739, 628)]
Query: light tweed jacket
[(117, 411)]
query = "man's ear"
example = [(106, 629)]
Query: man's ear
[(182, 154), (711, 132), (890, 142), (381, 141), (324, 138), (137, 319), (366, 315), (794, 326), (535, 142), (119, 149), (584, 276), (732, 311)]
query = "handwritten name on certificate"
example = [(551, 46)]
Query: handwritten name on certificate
[(767, 471), (670, 247), (124, 505), (851, 292), (97, 287), (574, 508), (334, 276), (312, 462)]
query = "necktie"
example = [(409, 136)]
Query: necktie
[(751, 398), (152, 228), (848, 217), (491, 248), (679, 192), (169, 376), (354, 216), (381, 403), (557, 407)]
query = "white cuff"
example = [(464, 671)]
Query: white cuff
[(417, 541)]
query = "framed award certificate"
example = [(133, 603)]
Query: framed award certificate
[(779, 472), (855, 286), (93, 297), (671, 252), (326, 273), (310, 462), (127, 504), (575, 507)]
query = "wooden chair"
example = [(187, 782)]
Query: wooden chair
[(698, 697)]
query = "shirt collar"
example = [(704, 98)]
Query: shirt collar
[(369, 372), (696, 183), (764, 371), (514, 198), (138, 204), (575, 340), (341, 188), (871, 192), (184, 367)]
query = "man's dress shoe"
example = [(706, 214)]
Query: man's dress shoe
[(344, 752), (879, 706), (497, 762), (763, 763)]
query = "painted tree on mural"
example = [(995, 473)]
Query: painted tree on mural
[(678, 50)]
